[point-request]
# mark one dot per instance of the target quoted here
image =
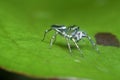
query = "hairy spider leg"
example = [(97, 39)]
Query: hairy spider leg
[(53, 39), (46, 31), (77, 46), (68, 44), (93, 44)]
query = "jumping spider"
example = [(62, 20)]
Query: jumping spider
[(69, 33)]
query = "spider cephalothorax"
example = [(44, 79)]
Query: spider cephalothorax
[(69, 33)]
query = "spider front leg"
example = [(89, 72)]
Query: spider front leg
[(53, 39), (93, 44), (46, 31)]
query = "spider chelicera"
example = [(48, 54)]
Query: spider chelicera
[(69, 33)]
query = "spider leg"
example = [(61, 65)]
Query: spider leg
[(46, 31), (68, 45), (53, 39), (77, 46), (93, 44)]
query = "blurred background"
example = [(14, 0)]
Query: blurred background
[(103, 14)]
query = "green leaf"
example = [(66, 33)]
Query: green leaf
[(22, 25)]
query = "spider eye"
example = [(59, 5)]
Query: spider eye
[(75, 38), (84, 34), (73, 25)]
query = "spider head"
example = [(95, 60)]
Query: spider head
[(79, 35), (84, 34), (73, 27)]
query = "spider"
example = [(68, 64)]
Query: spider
[(69, 33)]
